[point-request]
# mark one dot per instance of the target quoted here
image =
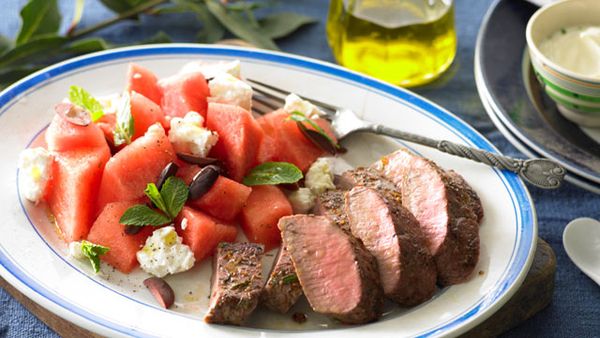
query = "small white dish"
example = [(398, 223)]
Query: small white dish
[(581, 239), (577, 95)]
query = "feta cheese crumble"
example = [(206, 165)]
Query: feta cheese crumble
[(110, 103), (165, 254), (225, 88), (302, 200), (35, 165), (188, 136), (319, 176), (294, 103), (211, 69), (75, 250)]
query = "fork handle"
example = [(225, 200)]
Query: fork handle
[(540, 172)]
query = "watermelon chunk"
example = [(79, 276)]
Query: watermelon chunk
[(265, 206), (107, 124), (131, 169), (183, 93), (73, 189), (239, 137), (62, 135), (203, 233), (143, 81), (109, 232), (145, 113), (224, 200), (285, 142)]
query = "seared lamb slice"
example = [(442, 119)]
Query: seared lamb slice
[(451, 229), (331, 204), (468, 196), (236, 283), (283, 288), (338, 275)]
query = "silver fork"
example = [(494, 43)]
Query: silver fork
[(540, 172)]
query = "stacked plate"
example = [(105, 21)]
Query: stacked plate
[(517, 104)]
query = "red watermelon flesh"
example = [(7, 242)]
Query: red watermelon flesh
[(285, 142), (239, 137), (143, 81), (265, 206), (203, 233), (62, 135), (74, 188), (109, 232), (224, 200), (107, 125), (145, 113), (131, 169), (183, 93)]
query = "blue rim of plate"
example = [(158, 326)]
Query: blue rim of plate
[(526, 221)]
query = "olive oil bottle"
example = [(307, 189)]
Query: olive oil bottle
[(405, 42)]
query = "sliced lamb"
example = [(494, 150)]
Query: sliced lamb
[(438, 204), (468, 197), (331, 204), (392, 234), (283, 288), (338, 275), (236, 283)]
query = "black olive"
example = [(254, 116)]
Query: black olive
[(203, 181), (168, 171)]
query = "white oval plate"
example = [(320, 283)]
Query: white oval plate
[(34, 260)]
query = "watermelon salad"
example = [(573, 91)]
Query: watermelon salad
[(156, 176)]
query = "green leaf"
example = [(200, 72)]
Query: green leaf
[(5, 44), (87, 45), (121, 6), (124, 127), (279, 25), (299, 117), (212, 29), (237, 24), (83, 98), (142, 215), (39, 17), (174, 193), (156, 197), (36, 47), (77, 14), (273, 173), (160, 37), (289, 279), (93, 252)]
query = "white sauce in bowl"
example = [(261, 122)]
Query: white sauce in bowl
[(576, 49)]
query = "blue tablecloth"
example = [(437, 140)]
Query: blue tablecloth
[(575, 309)]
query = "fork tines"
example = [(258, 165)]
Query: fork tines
[(271, 96)]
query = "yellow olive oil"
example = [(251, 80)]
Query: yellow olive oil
[(405, 42)]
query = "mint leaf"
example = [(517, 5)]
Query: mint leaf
[(156, 198), (141, 215), (124, 127), (299, 117), (92, 252), (289, 279), (83, 98), (273, 173), (174, 193), (38, 17)]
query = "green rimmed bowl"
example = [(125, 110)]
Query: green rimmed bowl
[(577, 95)]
